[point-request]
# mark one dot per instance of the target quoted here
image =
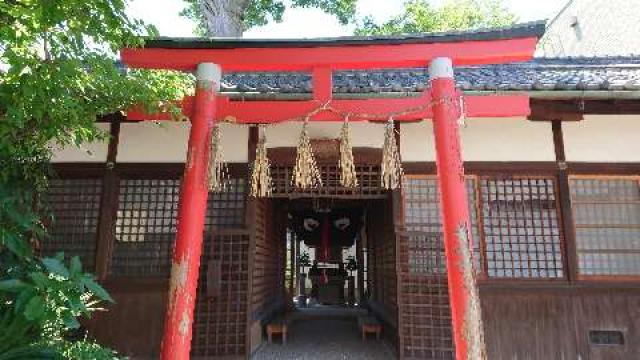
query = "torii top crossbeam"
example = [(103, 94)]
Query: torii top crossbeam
[(211, 57), (322, 56)]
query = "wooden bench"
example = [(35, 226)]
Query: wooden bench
[(369, 325), (278, 327)]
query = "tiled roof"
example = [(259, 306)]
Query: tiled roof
[(540, 74)]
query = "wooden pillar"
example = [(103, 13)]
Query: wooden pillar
[(564, 197), (360, 261), (108, 203), (294, 262), (176, 342), (463, 292)]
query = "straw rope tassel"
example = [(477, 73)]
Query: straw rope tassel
[(391, 167), (217, 169), (261, 183), (348, 177), (305, 173)]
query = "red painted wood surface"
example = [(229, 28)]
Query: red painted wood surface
[(334, 57), (455, 223), (271, 111), (176, 342)]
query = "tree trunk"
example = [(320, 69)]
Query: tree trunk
[(224, 17)]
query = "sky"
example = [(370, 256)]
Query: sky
[(301, 23)]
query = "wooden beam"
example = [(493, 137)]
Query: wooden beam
[(575, 109)]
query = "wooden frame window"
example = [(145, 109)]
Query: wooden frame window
[(606, 215), (521, 227), (515, 224), (75, 210), (145, 227), (422, 215)]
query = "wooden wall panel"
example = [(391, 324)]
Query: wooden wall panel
[(267, 284), (528, 325), (134, 324), (554, 323), (608, 309), (382, 267)]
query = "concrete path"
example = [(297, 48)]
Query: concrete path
[(325, 339)]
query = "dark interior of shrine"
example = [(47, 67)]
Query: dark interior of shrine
[(329, 272)]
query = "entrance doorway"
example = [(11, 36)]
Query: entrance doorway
[(334, 285)]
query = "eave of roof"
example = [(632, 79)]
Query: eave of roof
[(525, 30)]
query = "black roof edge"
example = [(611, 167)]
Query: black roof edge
[(523, 30)]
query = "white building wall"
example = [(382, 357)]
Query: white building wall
[(487, 139), (603, 138), (166, 141), (89, 152), (482, 140)]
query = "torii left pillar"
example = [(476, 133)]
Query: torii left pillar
[(466, 316), (176, 341)]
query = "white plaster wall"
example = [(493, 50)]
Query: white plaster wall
[(603, 138), (484, 139), (166, 141), (416, 142), (507, 139), (89, 152), (363, 134)]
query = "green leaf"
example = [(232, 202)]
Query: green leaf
[(39, 278), (12, 285), (75, 266), (17, 245), (96, 289), (56, 266), (35, 308), (70, 321)]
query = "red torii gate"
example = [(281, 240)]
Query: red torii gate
[(209, 58)]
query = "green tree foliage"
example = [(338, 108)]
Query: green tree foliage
[(420, 16), (260, 12), (57, 74)]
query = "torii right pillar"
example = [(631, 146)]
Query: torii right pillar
[(466, 315)]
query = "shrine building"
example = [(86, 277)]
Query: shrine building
[(470, 199)]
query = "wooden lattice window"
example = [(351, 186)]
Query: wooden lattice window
[(145, 227), (369, 185), (75, 208), (147, 219), (606, 214), (521, 227), (422, 214), (227, 208)]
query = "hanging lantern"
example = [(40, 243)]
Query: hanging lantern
[(261, 183), (217, 170), (305, 173), (348, 176), (391, 167)]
